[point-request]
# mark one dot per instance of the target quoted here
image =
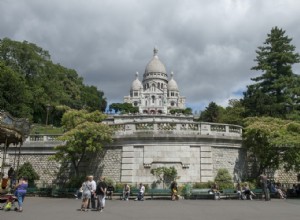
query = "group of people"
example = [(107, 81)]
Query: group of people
[(140, 194), (92, 191)]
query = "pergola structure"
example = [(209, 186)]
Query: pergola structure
[(12, 131)]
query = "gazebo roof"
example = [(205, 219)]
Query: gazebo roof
[(13, 130)]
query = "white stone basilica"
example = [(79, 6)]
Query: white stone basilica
[(155, 94)]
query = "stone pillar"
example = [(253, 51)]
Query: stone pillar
[(206, 166), (127, 164)]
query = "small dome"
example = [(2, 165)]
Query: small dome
[(172, 84), (155, 65), (136, 84)]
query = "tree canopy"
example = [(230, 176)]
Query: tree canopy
[(273, 143), (276, 92), (84, 134), (30, 82)]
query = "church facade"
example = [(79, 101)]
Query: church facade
[(156, 94)]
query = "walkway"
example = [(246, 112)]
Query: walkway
[(63, 209)]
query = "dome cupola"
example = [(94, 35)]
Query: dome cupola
[(155, 69), (136, 84), (172, 85)]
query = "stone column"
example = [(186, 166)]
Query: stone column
[(206, 165), (127, 164)]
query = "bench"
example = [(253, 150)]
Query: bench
[(229, 194), (201, 194), (31, 191), (258, 193), (119, 193), (64, 193), (43, 192), (159, 193)]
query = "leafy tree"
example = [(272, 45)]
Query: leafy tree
[(275, 92), (27, 170), (272, 143), (46, 83), (233, 113), (212, 113), (165, 174), (186, 111), (84, 134), (15, 96), (124, 108)]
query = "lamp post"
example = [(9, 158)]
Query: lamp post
[(47, 116)]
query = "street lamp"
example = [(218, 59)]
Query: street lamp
[(47, 116)]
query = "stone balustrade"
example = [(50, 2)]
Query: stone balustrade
[(177, 128)]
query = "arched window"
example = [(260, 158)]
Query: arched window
[(153, 99)]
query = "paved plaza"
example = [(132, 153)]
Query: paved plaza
[(37, 208)]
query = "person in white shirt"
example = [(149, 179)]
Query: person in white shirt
[(141, 193), (92, 201)]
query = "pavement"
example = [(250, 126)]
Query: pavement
[(39, 208)]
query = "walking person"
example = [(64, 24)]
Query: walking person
[(21, 189), (86, 194), (101, 192), (264, 182), (91, 201)]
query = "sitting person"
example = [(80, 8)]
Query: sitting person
[(110, 191), (140, 195), (215, 190), (174, 191), (239, 190), (247, 192), (126, 192), (277, 189)]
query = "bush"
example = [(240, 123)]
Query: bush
[(224, 179), (26, 170), (202, 185)]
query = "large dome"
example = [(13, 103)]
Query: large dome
[(155, 65), (136, 84), (172, 84)]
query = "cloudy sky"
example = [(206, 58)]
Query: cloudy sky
[(208, 44)]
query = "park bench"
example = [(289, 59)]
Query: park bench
[(229, 194), (290, 193), (46, 192), (119, 193), (201, 194), (31, 191), (159, 193), (258, 193), (64, 193)]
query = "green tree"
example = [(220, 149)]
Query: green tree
[(26, 170), (15, 95), (47, 83), (84, 134), (124, 108), (272, 143), (212, 113), (275, 92), (233, 113), (165, 174)]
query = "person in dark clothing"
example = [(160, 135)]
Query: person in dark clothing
[(101, 192), (110, 191), (264, 182), (174, 190)]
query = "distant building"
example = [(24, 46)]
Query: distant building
[(156, 94)]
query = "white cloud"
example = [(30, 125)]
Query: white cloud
[(210, 45)]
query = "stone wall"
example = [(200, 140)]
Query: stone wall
[(233, 159), (45, 168)]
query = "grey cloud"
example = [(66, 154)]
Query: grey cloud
[(210, 45)]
